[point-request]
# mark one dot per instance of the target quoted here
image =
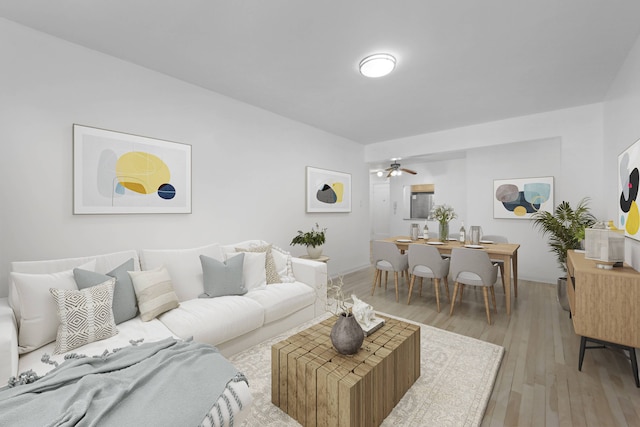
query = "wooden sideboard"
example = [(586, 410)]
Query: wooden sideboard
[(605, 304)]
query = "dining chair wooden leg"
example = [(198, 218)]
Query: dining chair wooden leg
[(436, 285), (486, 303), (376, 278), (386, 279), (493, 298), (395, 279), (413, 279), (446, 287), (453, 300)]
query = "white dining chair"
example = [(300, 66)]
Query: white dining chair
[(473, 267), (386, 257), (495, 238), (425, 262)]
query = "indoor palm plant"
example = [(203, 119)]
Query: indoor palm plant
[(313, 240), (443, 214), (565, 228)]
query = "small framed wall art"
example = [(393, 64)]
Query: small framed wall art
[(520, 198), (328, 191), (628, 183), (119, 173)]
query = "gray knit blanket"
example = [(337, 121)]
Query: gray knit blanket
[(164, 383)]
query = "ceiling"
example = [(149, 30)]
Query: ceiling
[(459, 62)]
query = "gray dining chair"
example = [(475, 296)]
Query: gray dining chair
[(473, 267), (495, 238), (386, 257), (425, 262)]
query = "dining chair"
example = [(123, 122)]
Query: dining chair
[(425, 262), (495, 238), (473, 267), (386, 257)]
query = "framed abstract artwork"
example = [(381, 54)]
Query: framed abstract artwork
[(119, 173), (328, 191), (520, 198), (628, 177)]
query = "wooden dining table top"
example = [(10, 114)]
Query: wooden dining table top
[(491, 248)]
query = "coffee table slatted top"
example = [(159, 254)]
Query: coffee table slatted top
[(317, 386)]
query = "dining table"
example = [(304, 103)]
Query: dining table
[(505, 252)]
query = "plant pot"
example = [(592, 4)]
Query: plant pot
[(563, 298), (314, 251), (347, 335)]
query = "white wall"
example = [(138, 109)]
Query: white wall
[(248, 164), (621, 129), (566, 144)]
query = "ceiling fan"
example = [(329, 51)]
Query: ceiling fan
[(395, 170)]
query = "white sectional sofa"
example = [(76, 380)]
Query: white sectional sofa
[(230, 322)]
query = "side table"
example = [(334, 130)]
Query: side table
[(321, 258)]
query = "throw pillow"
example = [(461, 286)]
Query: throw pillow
[(154, 292), (125, 306), (253, 271), (38, 313), (282, 259), (270, 265), (85, 316), (222, 278), (183, 265)]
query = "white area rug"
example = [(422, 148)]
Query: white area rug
[(457, 377)]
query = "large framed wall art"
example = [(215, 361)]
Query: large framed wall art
[(520, 198), (629, 216), (119, 173), (328, 191)]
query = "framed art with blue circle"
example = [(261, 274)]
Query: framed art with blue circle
[(120, 173)]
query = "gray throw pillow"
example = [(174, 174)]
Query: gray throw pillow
[(125, 305), (222, 278)]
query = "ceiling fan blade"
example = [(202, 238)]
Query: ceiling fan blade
[(389, 174), (388, 169), (408, 171)]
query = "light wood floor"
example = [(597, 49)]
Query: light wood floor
[(538, 383)]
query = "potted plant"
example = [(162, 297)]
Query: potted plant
[(565, 228), (443, 214), (313, 240)]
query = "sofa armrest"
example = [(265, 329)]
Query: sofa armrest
[(8, 342), (314, 274)]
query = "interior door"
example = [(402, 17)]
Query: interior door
[(380, 210)]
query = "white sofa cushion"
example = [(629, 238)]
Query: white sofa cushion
[(104, 263), (39, 319), (184, 267), (281, 299), (134, 329), (214, 320), (253, 271)]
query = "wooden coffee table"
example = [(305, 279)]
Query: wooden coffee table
[(317, 386)]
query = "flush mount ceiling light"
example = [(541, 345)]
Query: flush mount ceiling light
[(377, 65)]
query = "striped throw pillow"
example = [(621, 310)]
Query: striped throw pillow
[(154, 292)]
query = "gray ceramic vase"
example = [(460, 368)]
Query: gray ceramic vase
[(347, 335)]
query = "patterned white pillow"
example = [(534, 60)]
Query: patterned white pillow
[(282, 260), (270, 265), (85, 316)]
